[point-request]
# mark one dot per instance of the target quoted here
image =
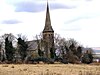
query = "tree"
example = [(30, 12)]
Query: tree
[(79, 52), (22, 48), (1, 54), (73, 48), (9, 50), (38, 40), (71, 41), (87, 57), (8, 40), (70, 48), (59, 41)]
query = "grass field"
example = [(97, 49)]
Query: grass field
[(49, 69)]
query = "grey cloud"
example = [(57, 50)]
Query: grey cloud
[(10, 22), (29, 7), (37, 7), (60, 6)]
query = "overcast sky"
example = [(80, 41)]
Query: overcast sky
[(78, 19)]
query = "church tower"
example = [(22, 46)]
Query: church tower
[(48, 35)]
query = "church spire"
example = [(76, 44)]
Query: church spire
[(48, 27), (48, 36)]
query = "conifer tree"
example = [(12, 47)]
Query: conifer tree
[(22, 48), (9, 49)]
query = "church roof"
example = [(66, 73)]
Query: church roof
[(32, 45), (48, 27)]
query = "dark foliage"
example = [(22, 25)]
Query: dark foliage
[(52, 53), (57, 59), (64, 61), (43, 59), (67, 50), (40, 53), (22, 48), (79, 52), (91, 57), (73, 48), (87, 58), (9, 49)]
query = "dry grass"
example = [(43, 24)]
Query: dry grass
[(49, 69)]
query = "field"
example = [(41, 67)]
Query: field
[(49, 69)]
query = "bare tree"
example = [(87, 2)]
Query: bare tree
[(71, 41), (10, 36), (59, 41), (22, 47), (70, 48), (23, 37), (39, 41)]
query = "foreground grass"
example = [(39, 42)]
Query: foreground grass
[(49, 69)]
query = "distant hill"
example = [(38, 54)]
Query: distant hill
[(96, 50)]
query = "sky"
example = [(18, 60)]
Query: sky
[(78, 19)]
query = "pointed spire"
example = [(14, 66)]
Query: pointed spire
[(48, 26)]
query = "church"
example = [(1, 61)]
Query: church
[(48, 34), (47, 38)]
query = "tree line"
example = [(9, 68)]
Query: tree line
[(8, 51), (14, 50)]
